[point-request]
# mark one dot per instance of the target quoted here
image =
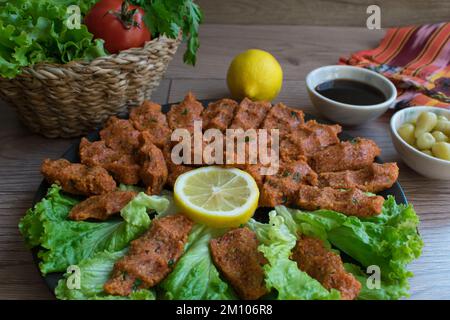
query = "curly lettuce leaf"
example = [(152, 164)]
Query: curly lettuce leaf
[(55, 206), (126, 187), (171, 209), (33, 31), (389, 241), (386, 291), (195, 277), (94, 272), (85, 5), (277, 239), (67, 242)]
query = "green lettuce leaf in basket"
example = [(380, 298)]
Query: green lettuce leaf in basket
[(33, 31), (66, 242), (84, 5)]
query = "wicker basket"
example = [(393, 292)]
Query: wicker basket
[(71, 99)]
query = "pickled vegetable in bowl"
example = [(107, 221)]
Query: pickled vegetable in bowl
[(428, 153), (429, 133)]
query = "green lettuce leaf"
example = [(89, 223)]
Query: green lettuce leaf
[(195, 277), (67, 242), (389, 241), (126, 187), (85, 5), (55, 206), (277, 239), (33, 31), (171, 209), (386, 291), (93, 273)]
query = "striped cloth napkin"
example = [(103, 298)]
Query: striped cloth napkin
[(416, 59)]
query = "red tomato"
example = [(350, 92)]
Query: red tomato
[(121, 25)]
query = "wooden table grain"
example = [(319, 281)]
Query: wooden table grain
[(323, 12), (299, 50)]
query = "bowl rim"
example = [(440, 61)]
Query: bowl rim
[(371, 107), (404, 143)]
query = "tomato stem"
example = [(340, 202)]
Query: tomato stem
[(125, 15)]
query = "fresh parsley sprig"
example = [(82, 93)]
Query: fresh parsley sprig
[(169, 17)]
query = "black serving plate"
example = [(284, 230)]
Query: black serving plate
[(261, 213)]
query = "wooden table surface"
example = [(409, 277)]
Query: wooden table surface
[(299, 50)]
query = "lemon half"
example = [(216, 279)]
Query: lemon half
[(255, 74), (216, 196)]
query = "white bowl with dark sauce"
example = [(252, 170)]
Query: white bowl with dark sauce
[(350, 95)]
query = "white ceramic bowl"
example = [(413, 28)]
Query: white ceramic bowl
[(348, 114), (424, 164)]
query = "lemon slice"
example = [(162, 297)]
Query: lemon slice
[(216, 196)]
